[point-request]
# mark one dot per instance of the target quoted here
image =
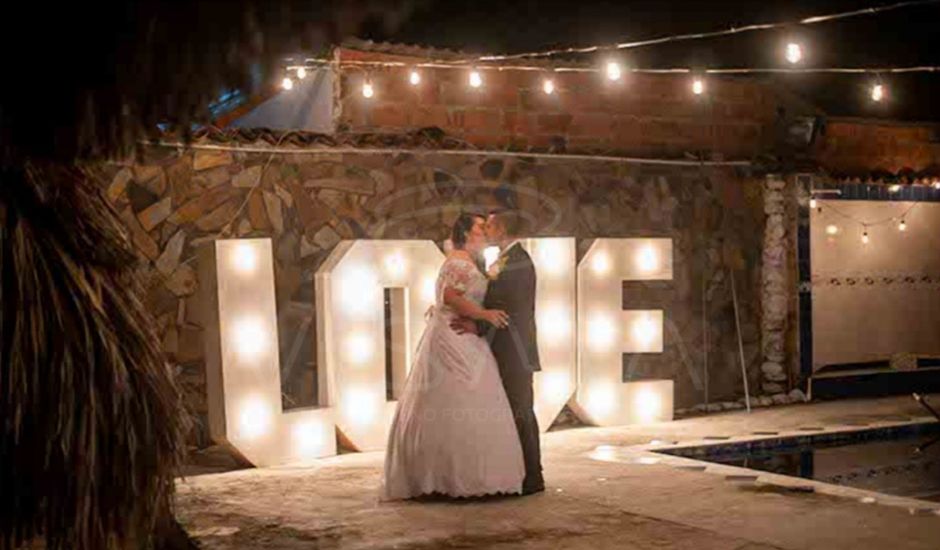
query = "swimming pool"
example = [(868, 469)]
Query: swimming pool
[(900, 460)]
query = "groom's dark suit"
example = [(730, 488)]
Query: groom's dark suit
[(516, 350)]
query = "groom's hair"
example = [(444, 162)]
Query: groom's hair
[(511, 220)]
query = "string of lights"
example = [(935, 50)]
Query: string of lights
[(794, 54), (613, 71), (712, 34), (833, 229)]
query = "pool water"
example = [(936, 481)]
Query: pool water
[(897, 462)]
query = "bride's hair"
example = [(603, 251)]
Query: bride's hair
[(463, 225)]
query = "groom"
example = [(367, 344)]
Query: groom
[(512, 289)]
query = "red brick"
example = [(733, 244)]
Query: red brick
[(554, 123), (390, 115), (482, 121), (591, 124), (429, 115), (518, 122)]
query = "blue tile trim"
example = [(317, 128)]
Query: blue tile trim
[(866, 192), (805, 297)]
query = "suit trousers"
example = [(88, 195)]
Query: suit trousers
[(518, 385)]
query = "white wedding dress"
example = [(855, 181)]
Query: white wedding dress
[(453, 431)]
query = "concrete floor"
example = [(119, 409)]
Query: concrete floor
[(589, 503)]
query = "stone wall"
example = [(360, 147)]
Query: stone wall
[(178, 201)]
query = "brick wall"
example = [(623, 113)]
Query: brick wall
[(641, 115), (858, 148)]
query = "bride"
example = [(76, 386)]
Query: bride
[(453, 432)]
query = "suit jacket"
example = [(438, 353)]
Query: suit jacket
[(513, 291)]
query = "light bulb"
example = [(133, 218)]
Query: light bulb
[(600, 264), (613, 70), (395, 265), (548, 86), (245, 260), (644, 332), (936, 184), (877, 92), (556, 386), (414, 78), (813, 203), (698, 87), (832, 229), (287, 83), (601, 332), (255, 418), (301, 73), (647, 405), (794, 53), (895, 188), (309, 437), (902, 226), (646, 259), (359, 348), (367, 90), (556, 323), (249, 337), (475, 79), (601, 400), (865, 238)]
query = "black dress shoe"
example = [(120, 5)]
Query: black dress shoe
[(533, 489)]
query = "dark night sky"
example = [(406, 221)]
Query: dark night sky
[(904, 37)]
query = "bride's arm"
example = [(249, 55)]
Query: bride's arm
[(468, 308)]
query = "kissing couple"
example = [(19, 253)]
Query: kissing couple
[(465, 424)]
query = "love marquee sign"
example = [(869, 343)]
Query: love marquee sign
[(582, 329)]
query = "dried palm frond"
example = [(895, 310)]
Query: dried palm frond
[(91, 425)]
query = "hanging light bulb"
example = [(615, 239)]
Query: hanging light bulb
[(614, 71), (698, 86), (548, 86), (367, 90), (475, 79), (301, 73), (414, 78), (865, 238), (936, 184), (813, 203), (794, 53), (902, 226), (895, 188), (877, 92), (287, 83)]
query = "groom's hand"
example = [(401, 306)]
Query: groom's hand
[(462, 325)]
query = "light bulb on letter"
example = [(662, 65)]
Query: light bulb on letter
[(254, 419), (244, 258), (248, 337), (646, 259), (600, 264)]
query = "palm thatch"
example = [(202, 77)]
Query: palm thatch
[(92, 426)]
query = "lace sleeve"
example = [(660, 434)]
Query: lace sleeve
[(457, 275)]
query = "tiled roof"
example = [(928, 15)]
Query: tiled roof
[(408, 50), (425, 138), (430, 139)]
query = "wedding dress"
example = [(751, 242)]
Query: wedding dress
[(453, 431)]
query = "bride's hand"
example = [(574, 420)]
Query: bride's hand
[(496, 317)]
